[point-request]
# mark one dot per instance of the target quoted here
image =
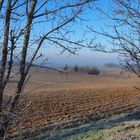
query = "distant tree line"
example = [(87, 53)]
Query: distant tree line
[(112, 65), (85, 69)]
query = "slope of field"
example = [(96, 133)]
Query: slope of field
[(54, 101)]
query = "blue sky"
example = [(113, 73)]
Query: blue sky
[(85, 56)]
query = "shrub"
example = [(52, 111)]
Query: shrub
[(94, 71)]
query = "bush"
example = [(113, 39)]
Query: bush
[(94, 71)]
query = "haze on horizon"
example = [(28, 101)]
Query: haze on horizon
[(82, 58)]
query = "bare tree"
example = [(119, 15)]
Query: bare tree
[(122, 28), (29, 25), (76, 69)]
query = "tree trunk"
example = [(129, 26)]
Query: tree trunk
[(23, 56), (1, 97), (4, 126), (4, 51), (1, 3)]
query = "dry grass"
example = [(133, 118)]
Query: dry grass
[(125, 131)]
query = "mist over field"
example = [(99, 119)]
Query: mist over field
[(83, 58)]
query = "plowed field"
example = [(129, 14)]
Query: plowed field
[(72, 103)]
